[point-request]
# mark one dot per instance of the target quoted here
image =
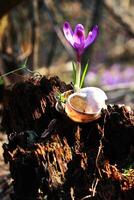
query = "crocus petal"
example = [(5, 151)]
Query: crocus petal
[(91, 36), (79, 34), (79, 38), (68, 32), (81, 28)]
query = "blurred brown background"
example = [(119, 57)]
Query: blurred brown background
[(32, 30)]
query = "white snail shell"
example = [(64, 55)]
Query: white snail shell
[(86, 104)]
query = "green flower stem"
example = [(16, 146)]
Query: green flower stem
[(78, 76)]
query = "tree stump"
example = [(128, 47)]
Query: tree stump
[(52, 157)]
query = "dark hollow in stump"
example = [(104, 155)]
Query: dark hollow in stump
[(51, 157)]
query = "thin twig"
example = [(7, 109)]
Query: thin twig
[(13, 71), (97, 158), (92, 189)]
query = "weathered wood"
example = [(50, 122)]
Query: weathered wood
[(52, 157)]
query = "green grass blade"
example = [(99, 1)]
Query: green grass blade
[(74, 72), (83, 75), (1, 81)]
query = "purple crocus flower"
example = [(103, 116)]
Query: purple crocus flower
[(77, 39)]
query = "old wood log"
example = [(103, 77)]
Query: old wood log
[(52, 157)]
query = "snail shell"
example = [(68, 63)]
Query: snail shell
[(86, 104)]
